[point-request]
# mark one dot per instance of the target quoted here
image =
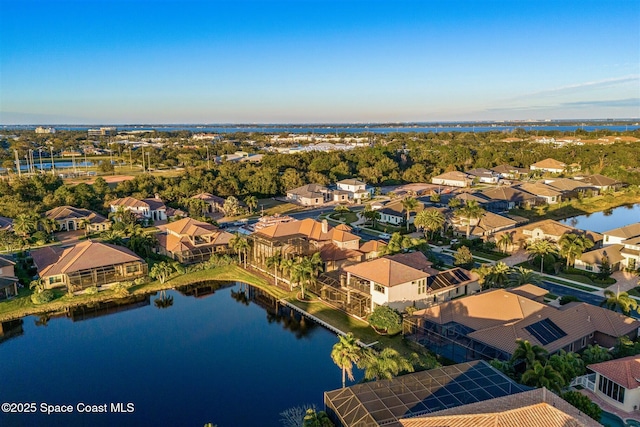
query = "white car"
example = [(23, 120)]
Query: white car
[(384, 236)]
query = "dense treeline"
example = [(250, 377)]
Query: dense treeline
[(395, 158)]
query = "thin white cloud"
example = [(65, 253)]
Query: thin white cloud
[(578, 87)]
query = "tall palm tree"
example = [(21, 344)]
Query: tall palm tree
[(483, 272), (573, 245), (595, 354), (275, 261), (85, 223), (505, 241), (112, 236), (470, 211), (543, 376), (142, 244), (345, 353), (251, 202), (384, 365), (541, 249), (527, 353), (240, 244), (287, 266), (522, 276), (49, 225), (25, 224), (619, 301), (409, 204), (429, 220)]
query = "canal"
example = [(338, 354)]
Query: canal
[(220, 353), (606, 220)]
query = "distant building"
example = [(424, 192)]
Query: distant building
[(214, 203), (356, 189), (484, 175), (45, 130), (70, 218), (145, 209), (453, 179), (310, 195), (104, 131)]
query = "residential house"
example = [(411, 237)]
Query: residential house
[(394, 213), (483, 175), (214, 203), (621, 250), (8, 279), (390, 402), (502, 199), (472, 328), (510, 172), (269, 220), (70, 218), (549, 165), (189, 240), (617, 382), (404, 280), (570, 188), (372, 249), (547, 229), (309, 195), (152, 209), (542, 191), (540, 406), (87, 264), (453, 179), (601, 182), (356, 189), (487, 225)]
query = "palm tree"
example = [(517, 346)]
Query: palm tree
[(371, 215), (527, 353), (409, 204), (25, 224), (522, 276), (573, 245), (384, 365), (499, 274), (470, 211), (85, 223), (619, 300), (287, 266), (251, 202), (49, 225), (161, 271), (429, 220), (112, 236), (240, 244), (345, 353), (142, 244), (595, 354), (275, 261), (483, 272), (543, 376), (505, 241), (541, 249)]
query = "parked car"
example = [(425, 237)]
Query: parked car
[(384, 236)]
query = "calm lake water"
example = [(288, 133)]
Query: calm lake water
[(210, 357), (607, 220)]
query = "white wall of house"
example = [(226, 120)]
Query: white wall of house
[(449, 182), (631, 397), (351, 188), (612, 240), (398, 296), (392, 219)]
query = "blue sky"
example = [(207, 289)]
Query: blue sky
[(301, 61)]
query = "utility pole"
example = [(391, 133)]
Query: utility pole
[(208, 164), (142, 159), (40, 156), (53, 165), (130, 159)]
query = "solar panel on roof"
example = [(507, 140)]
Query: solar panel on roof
[(545, 331)]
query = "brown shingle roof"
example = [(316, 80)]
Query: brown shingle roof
[(549, 164), (626, 232), (129, 202), (539, 407), (625, 371), (372, 246), (331, 252), (69, 212), (52, 261), (507, 193), (386, 272), (613, 252), (566, 184)]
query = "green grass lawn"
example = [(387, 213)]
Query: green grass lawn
[(489, 255), (346, 217)]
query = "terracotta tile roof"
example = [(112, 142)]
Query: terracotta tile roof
[(189, 227), (549, 164), (416, 260), (614, 254), (372, 246), (331, 252), (351, 181), (209, 198), (539, 189), (510, 194), (476, 197), (308, 228), (69, 212), (386, 272), (52, 261), (129, 202), (625, 371), (626, 232), (342, 227), (552, 230), (516, 410)]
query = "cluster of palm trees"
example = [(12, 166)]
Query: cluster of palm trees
[(501, 275), (402, 243), (133, 236), (386, 364), (28, 228), (240, 245), (301, 270), (430, 221), (570, 246)]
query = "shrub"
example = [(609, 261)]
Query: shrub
[(583, 403), (566, 299), (120, 290), (385, 318), (92, 290), (42, 297)]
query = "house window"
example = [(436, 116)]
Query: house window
[(422, 286), (134, 268), (583, 343), (606, 238), (611, 389), (55, 279), (378, 288), (589, 267)]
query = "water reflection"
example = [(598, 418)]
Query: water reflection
[(99, 309), (10, 329), (164, 301), (204, 288)]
